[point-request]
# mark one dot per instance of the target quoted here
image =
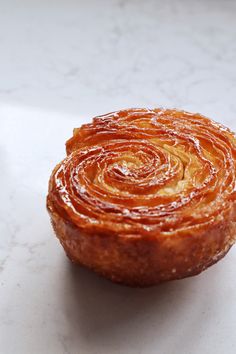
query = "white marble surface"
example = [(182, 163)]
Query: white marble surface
[(60, 63)]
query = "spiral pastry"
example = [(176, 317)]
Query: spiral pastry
[(146, 196)]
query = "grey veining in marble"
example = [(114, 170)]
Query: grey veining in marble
[(60, 63)]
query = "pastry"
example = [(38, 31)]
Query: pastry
[(145, 196)]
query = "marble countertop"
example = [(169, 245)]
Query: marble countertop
[(61, 62)]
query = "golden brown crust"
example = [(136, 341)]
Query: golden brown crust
[(146, 196)]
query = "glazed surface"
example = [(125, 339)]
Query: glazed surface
[(148, 172)]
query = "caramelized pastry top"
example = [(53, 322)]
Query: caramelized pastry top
[(147, 173)]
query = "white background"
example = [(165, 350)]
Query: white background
[(61, 62)]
